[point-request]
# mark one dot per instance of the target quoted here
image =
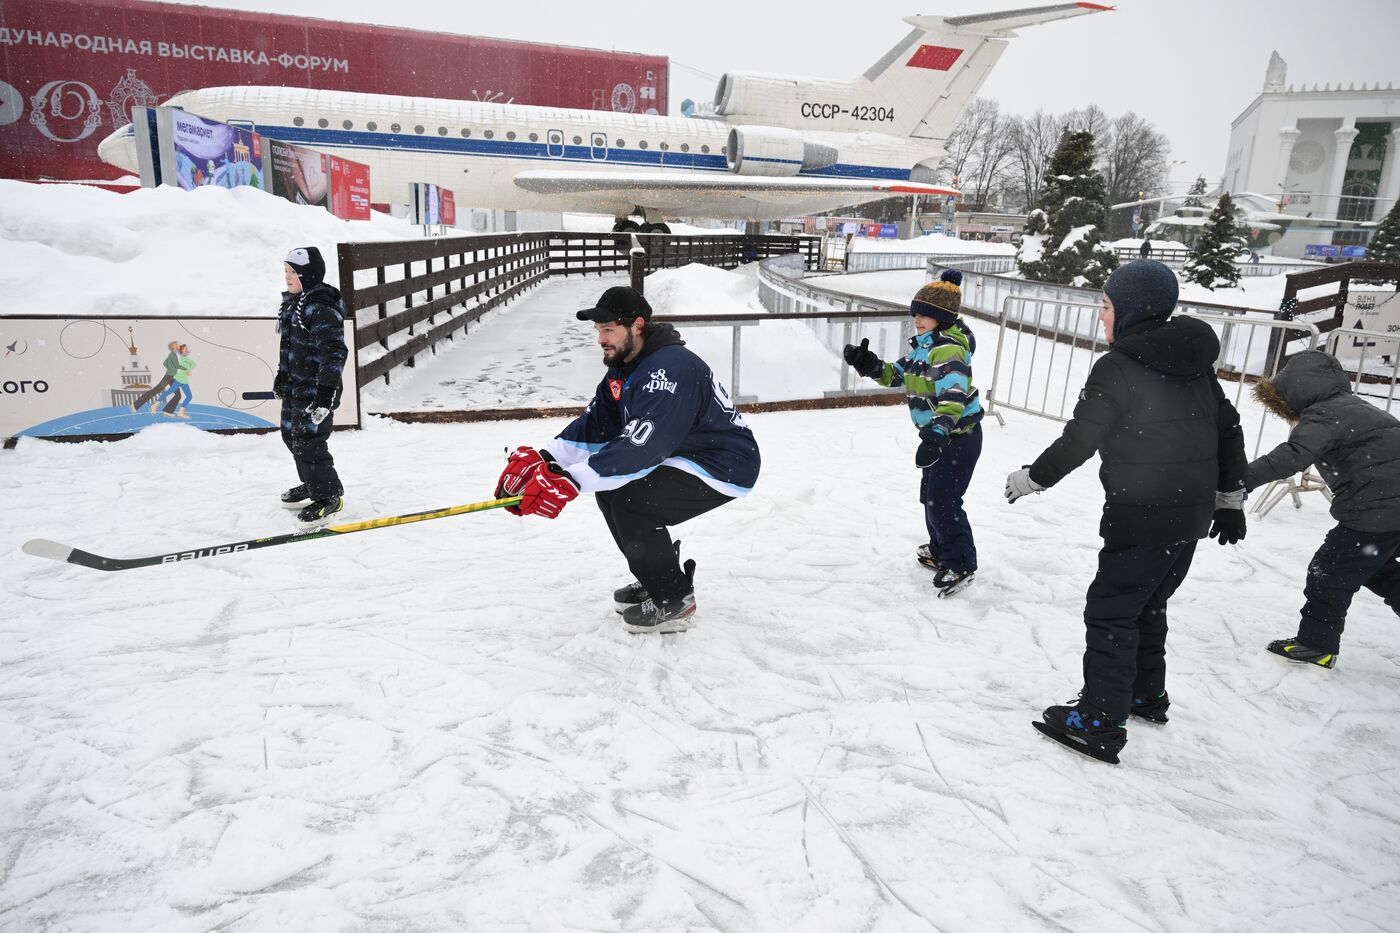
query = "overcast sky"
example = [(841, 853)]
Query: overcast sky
[(1189, 66)]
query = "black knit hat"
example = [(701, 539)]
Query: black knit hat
[(621, 303), (308, 265), (1141, 290)]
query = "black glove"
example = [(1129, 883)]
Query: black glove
[(325, 397), (863, 360), (1228, 526), (931, 444), (279, 385)]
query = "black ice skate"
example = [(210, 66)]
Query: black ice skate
[(1295, 650), (950, 581), (319, 513), (924, 555), (1093, 736), (298, 497), (634, 593), (1153, 709), (676, 614)]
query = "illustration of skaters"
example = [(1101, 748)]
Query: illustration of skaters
[(177, 396), (172, 366), (1172, 466), (1356, 448), (937, 378), (311, 356)]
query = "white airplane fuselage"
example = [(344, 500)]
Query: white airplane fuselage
[(476, 149)]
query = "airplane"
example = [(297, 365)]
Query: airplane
[(1258, 214), (771, 146)]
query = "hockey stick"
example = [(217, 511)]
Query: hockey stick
[(42, 547)]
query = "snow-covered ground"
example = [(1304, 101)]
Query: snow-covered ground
[(444, 726)]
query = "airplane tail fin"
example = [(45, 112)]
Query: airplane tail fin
[(917, 89)]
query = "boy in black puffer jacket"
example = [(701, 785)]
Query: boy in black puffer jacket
[(313, 352), (1356, 447), (1173, 468)]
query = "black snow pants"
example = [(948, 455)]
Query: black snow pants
[(1347, 561), (1125, 621), (309, 446), (638, 515)]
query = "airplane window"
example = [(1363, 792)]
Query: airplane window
[(665, 145), (371, 126), (442, 131), (323, 123), (510, 134), (298, 121), (642, 144), (489, 134), (349, 125), (418, 130), (577, 140), (704, 148), (466, 132), (685, 147), (621, 143), (534, 137), (394, 127)]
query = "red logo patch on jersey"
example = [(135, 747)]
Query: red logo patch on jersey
[(934, 57), (615, 387)]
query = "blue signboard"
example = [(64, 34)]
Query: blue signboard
[(1354, 252), (889, 231), (1319, 249)]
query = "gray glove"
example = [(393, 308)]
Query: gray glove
[(1020, 484)]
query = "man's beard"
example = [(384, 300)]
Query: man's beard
[(619, 356)]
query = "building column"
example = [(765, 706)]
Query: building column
[(1341, 153), (1389, 190), (1287, 138)]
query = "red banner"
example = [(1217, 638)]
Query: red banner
[(349, 188), (447, 205), (71, 70)]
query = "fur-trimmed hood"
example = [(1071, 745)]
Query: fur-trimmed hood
[(1310, 377)]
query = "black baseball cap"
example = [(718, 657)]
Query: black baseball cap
[(619, 303)]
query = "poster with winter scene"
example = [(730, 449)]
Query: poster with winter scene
[(84, 377), (197, 152)]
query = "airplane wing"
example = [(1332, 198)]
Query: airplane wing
[(716, 194)]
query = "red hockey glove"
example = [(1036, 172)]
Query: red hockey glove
[(519, 466), (547, 491)]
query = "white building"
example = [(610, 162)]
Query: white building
[(1326, 153)]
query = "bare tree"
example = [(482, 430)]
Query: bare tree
[(979, 119), (1132, 156), (1090, 119), (1033, 141)]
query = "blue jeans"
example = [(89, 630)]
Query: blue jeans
[(941, 492), (1347, 561), (182, 388)]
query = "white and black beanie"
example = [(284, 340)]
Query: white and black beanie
[(308, 265)]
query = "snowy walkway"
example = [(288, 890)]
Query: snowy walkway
[(443, 726)]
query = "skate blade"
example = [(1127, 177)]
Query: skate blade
[(295, 506), (1156, 721), (671, 627), (957, 587), (1289, 659), (1084, 748)]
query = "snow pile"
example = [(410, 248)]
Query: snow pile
[(1032, 248), (701, 289), (75, 249)]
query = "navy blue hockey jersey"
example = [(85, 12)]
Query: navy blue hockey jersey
[(665, 409)]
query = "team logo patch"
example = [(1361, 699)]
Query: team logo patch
[(615, 387)]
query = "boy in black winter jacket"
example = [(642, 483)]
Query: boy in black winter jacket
[(312, 354), (1356, 447), (1173, 466)]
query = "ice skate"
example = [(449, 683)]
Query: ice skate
[(298, 498), (1153, 709), (924, 555), (634, 593), (1295, 650), (950, 581), (663, 617), (1089, 735), (319, 513)]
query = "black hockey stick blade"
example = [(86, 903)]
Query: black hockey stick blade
[(53, 550)]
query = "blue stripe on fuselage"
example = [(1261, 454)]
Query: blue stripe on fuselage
[(516, 149)]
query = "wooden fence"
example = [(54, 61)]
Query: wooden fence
[(424, 291)]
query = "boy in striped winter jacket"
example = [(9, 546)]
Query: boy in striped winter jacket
[(937, 378)]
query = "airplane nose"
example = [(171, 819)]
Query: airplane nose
[(119, 149)]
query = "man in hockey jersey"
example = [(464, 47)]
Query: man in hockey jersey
[(1173, 467), (310, 359), (659, 444)]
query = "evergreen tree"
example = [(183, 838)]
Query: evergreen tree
[(1385, 242), (1212, 261), (1197, 187), (1064, 241)]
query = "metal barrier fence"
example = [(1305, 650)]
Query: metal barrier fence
[(880, 262), (1047, 348), (1376, 371), (1176, 258)]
